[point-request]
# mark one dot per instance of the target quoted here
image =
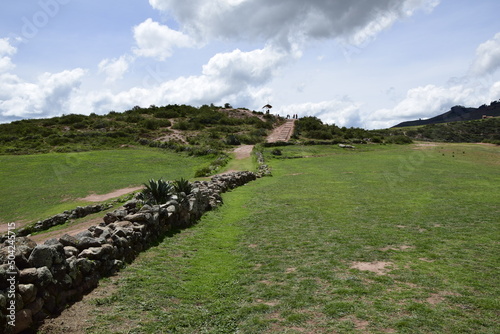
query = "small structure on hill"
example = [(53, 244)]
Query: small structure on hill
[(267, 107)]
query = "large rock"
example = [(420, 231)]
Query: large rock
[(102, 231), (97, 253), (68, 240), (42, 256), (44, 276), (139, 217), (28, 292), (70, 251), (87, 242), (29, 275)]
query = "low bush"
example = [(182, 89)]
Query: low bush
[(182, 186), (156, 192), (202, 172), (398, 139), (232, 140)]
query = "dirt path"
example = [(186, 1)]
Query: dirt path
[(175, 135), (243, 152), (105, 197)]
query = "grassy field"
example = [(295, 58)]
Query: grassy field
[(382, 239), (35, 187)]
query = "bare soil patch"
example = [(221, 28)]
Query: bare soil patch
[(377, 267), (243, 151), (439, 297), (174, 135), (358, 324), (4, 227), (105, 197), (268, 303), (76, 318)]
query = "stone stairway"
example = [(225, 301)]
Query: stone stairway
[(286, 131)]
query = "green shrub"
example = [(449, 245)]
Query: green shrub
[(133, 118), (156, 192), (151, 124), (232, 140), (71, 119), (185, 125), (205, 171), (398, 139), (182, 186), (319, 134), (166, 114), (164, 123)]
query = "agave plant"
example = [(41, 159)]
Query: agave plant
[(182, 186), (156, 192)]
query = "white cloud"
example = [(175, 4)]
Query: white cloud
[(114, 69), (158, 41), (426, 102), (234, 77), (6, 50), (495, 91), (487, 57), (285, 22), (252, 68), (47, 97)]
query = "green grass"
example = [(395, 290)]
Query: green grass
[(37, 186), (278, 256)]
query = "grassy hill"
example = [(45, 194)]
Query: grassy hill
[(180, 127), (482, 130)]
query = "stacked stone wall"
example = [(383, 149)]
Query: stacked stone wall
[(39, 281)]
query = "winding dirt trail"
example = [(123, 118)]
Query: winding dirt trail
[(105, 197), (243, 152)]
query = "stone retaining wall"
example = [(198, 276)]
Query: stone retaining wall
[(59, 272)]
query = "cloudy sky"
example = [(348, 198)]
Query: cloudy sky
[(367, 63)]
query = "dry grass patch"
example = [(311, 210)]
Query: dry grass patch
[(377, 267)]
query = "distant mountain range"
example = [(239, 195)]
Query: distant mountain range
[(458, 113)]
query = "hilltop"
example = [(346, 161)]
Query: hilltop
[(457, 114)]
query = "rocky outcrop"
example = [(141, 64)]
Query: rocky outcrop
[(52, 275)]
